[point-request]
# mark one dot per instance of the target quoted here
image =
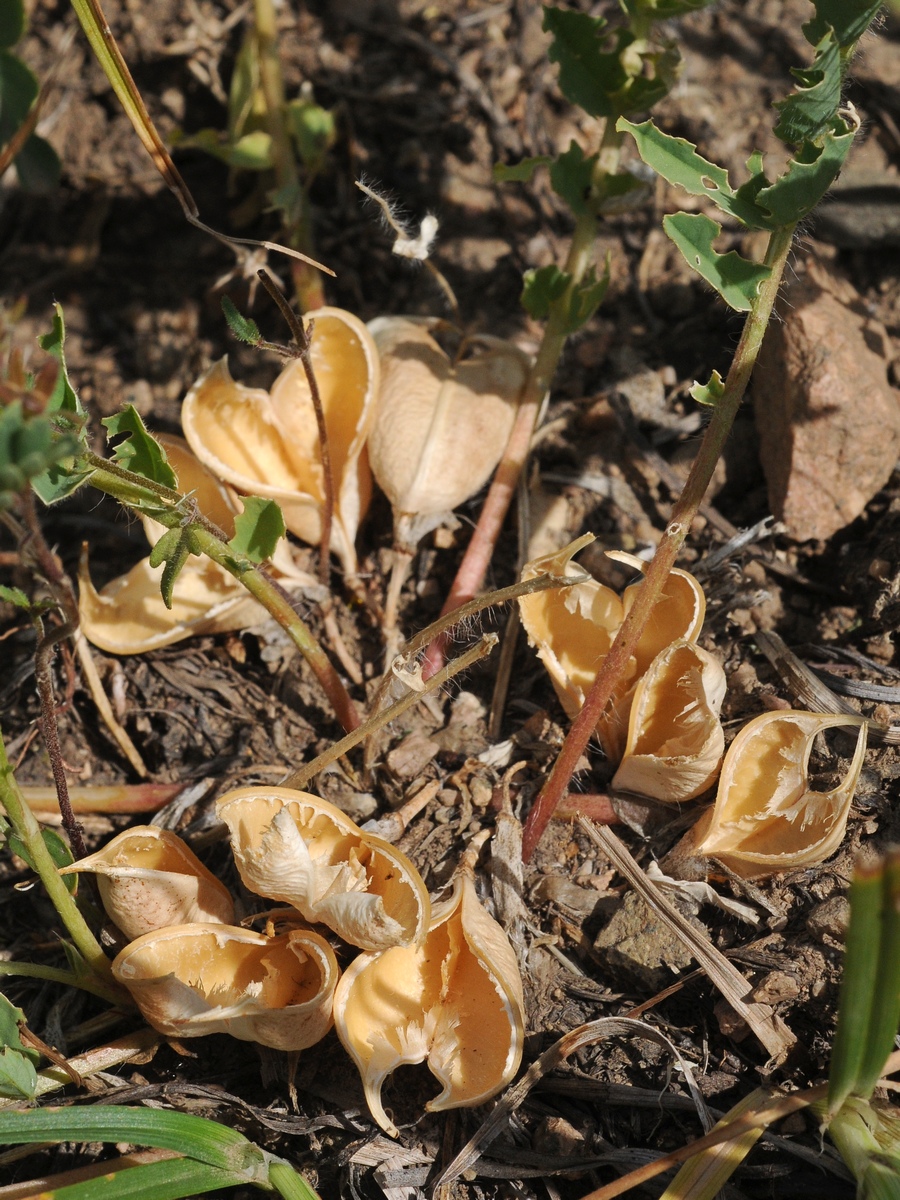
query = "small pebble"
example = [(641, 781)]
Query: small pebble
[(829, 919)]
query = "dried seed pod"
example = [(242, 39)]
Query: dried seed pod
[(441, 426), (129, 616), (675, 741), (191, 980), (149, 879), (766, 819), (267, 443), (455, 1001), (301, 850), (573, 628)]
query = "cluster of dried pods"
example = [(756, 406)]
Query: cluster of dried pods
[(438, 984), (430, 429), (663, 728)]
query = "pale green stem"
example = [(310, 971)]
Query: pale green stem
[(209, 540), (66, 978), (26, 826), (676, 531)]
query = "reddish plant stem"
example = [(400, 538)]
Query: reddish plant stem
[(676, 531)]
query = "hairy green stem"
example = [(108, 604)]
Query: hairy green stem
[(676, 531), (210, 541), (26, 826)]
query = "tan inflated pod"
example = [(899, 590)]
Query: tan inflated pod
[(191, 980), (267, 443), (441, 425), (675, 740), (455, 1001), (149, 878), (129, 616), (766, 819), (572, 629), (301, 850)]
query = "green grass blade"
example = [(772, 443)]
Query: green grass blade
[(703, 1176), (288, 1183), (195, 1137), (169, 1179), (861, 960), (885, 1013)]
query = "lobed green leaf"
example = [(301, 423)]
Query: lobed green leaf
[(736, 279), (808, 177), (243, 328), (258, 529), (139, 451), (571, 176), (12, 22), (677, 160), (810, 110), (542, 288), (709, 393), (520, 172), (587, 75), (848, 18)]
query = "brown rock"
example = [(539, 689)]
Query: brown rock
[(829, 422), (641, 948)]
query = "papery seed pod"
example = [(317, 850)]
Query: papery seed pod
[(675, 741), (441, 426), (191, 980), (267, 443), (129, 616), (766, 819), (301, 850), (149, 878), (456, 1001)]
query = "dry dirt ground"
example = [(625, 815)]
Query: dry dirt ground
[(427, 97)]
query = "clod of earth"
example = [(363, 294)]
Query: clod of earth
[(191, 980), (149, 879), (455, 1001), (267, 443), (766, 819), (296, 848), (129, 615)]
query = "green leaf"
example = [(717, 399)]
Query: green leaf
[(11, 1018), (258, 529), (736, 279), (848, 18), (38, 167), (57, 848), (18, 1076), (709, 393), (201, 1139), (586, 297), (14, 595), (677, 160), (662, 10), (520, 172), (174, 548), (249, 152), (64, 398), (542, 288), (884, 1018), (810, 110), (861, 958), (139, 451), (12, 22), (18, 91), (587, 75), (808, 177), (313, 130), (169, 1179), (571, 175), (243, 328)]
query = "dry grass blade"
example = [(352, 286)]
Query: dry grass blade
[(583, 1035), (768, 1028)]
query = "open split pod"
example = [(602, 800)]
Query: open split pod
[(298, 849), (149, 878), (662, 726), (267, 443), (454, 1001), (766, 818), (129, 616), (192, 980)]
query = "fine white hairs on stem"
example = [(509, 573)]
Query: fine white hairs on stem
[(408, 244)]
